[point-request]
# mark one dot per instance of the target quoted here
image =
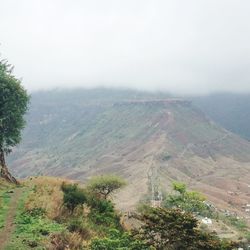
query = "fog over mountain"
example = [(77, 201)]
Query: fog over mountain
[(188, 47), (232, 111)]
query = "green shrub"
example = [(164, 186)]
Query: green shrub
[(100, 205), (67, 188), (102, 212), (107, 219), (117, 240), (73, 196), (189, 201)]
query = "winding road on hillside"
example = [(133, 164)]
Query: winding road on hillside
[(9, 227)]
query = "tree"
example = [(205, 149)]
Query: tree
[(177, 230), (13, 105), (189, 201), (73, 196), (105, 185)]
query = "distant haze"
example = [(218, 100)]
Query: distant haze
[(187, 47)]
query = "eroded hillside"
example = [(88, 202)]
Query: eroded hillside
[(149, 140)]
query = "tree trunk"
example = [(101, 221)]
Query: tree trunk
[(4, 170)]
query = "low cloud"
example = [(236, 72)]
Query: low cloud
[(191, 47)]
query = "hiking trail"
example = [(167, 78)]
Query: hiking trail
[(9, 226)]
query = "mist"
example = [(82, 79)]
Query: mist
[(184, 47)]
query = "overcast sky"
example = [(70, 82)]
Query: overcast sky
[(184, 46)]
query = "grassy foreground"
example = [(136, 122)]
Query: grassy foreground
[(53, 213)]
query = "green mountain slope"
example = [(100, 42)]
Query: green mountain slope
[(149, 139)]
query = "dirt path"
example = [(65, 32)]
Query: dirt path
[(6, 232)]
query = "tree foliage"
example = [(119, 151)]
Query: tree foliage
[(13, 105), (105, 185), (190, 201), (102, 212), (73, 196), (176, 229)]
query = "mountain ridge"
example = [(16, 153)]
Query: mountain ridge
[(149, 141)]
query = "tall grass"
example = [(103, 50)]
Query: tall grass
[(45, 193)]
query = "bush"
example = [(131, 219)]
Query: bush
[(100, 205), (102, 212), (117, 240), (189, 201), (105, 219), (67, 188), (73, 196)]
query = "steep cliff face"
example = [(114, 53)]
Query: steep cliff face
[(148, 141)]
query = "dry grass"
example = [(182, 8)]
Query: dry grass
[(46, 193), (4, 184), (67, 241)]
